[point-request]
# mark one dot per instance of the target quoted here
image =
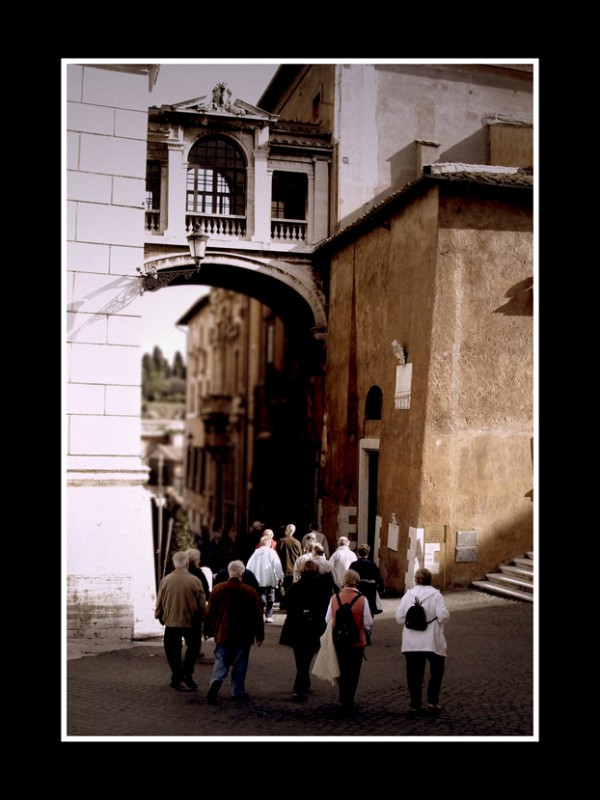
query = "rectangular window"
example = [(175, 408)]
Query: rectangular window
[(288, 198), (152, 185)]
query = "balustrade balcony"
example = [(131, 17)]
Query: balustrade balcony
[(288, 230), (225, 226), (153, 219), (216, 405)]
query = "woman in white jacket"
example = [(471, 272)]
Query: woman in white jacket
[(429, 645), (266, 565)]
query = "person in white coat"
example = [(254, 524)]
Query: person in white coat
[(341, 560), (266, 565), (420, 647)]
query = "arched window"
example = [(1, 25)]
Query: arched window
[(216, 178), (374, 403)]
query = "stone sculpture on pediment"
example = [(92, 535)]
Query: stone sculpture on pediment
[(221, 101)]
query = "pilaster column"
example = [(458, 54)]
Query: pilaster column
[(175, 231), (262, 198), (320, 200)]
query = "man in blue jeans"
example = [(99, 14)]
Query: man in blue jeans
[(235, 618)]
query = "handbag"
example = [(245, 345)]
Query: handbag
[(327, 666)]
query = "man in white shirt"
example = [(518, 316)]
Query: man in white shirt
[(341, 560)]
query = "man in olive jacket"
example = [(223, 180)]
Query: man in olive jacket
[(235, 618), (180, 607)]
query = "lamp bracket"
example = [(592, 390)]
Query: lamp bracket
[(153, 280)]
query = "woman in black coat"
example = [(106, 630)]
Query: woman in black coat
[(306, 603)]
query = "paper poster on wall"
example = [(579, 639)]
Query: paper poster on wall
[(432, 557), (393, 535)]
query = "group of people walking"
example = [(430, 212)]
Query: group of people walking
[(235, 605)]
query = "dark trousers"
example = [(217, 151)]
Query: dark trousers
[(173, 649), (303, 657), (415, 674), (287, 582), (267, 598), (350, 660)]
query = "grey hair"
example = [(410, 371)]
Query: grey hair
[(343, 540), (235, 569), (180, 559), (318, 550), (193, 555), (290, 530)]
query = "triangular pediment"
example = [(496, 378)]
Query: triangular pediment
[(219, 102)]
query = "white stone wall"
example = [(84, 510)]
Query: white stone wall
[(107, 538), (356, 137), (383, 111)]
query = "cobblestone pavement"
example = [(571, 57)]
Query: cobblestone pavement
[(489, 688)]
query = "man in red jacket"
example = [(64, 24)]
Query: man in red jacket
[(235, 618)]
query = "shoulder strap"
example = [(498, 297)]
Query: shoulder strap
[(351, 603), (419, 603), (429, 621)]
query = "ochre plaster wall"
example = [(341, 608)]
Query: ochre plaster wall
[(451, 281)]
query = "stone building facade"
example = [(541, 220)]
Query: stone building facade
[(253, 420), (403, 293), (428, 416), (109, 580)]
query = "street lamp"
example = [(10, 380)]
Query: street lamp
[(152, 280), (197, 243)]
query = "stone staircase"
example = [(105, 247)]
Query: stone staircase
[(514, 580)]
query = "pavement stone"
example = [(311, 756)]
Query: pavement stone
[(119, 691)]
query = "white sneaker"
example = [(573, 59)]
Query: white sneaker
[(269, 619)]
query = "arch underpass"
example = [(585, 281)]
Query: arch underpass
[(288, 288)]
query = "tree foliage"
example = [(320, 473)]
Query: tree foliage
[(161, 380)]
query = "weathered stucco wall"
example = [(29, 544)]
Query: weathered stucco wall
[(451, 282), (478, 470)]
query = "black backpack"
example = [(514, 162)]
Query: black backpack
[(345, 632), (415, 617)]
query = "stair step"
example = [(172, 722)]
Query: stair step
[(530, 554), (523, 562), (522, 572), (504, 591), (511, 581)]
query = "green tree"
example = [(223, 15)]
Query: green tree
[(178, 370), (160, 380), (153, 379), (175, 388), (161, 365)]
